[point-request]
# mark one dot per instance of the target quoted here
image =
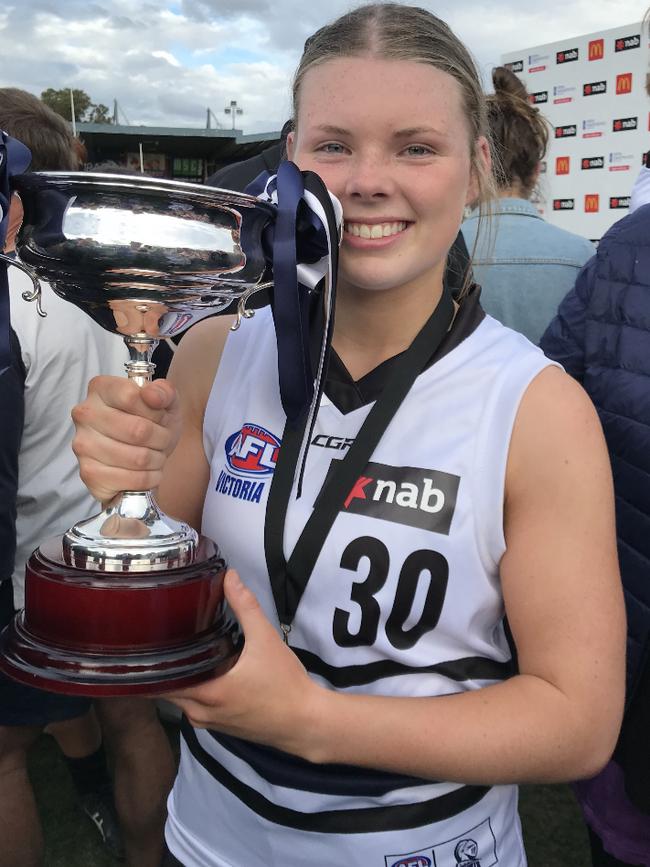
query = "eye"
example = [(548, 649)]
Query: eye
[(331, 147), (417, 150)]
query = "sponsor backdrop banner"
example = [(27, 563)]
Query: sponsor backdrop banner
[(592, 91)]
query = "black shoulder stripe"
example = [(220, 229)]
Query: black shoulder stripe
[(468, 668), (365, 820)]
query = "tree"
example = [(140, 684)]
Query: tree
[(99, 114), (84, 108)]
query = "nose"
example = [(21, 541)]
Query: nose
[(369, 177)]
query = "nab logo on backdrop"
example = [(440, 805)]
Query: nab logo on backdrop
[(619, 202), (592, 203), (625, 43), (405, 495), (567, 56), (562, 165), (593, 88), (564, 204), (624, 83), (539, 97), (596, 49), (566, 131), (592, 163), (623, 124), (515, 66)]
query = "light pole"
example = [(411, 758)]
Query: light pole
[(233, 110)]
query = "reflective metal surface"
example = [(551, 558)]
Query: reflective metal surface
[(141, 255), (145, 258)]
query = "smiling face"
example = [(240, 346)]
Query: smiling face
[(390, 139)]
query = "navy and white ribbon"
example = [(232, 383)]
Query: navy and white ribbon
[(301, 245), (14, 159)]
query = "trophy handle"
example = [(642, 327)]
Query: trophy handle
[(35, 295)]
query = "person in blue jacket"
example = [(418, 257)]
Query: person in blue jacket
[(601, 335)]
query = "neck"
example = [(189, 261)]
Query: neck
[(371, 327)]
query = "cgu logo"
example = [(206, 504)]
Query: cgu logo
[(562, 165), (624, 83), (252, 451), (592, 203), (566, 131), (413, 861), (596, 49)]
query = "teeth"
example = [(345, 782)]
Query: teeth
[(374, 231)]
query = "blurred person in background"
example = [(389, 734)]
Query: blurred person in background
[(601, 335), (53, 359), (525, 265)]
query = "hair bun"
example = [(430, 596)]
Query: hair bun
[(506, 82)]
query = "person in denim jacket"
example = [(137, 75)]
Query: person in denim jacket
[(524, 264)]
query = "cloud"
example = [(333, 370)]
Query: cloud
[(166, 62)]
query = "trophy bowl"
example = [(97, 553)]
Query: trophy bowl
[(131, 600)]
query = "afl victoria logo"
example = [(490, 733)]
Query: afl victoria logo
[(252, 451)]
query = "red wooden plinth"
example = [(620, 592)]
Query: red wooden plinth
[(120, 633)]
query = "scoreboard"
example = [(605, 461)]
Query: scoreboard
[(592, 91)]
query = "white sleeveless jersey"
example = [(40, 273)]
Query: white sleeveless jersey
[(404, 600)]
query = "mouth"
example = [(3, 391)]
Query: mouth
[(374, 231)]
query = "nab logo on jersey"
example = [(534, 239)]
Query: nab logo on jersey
[(405, 495), (252, 451)]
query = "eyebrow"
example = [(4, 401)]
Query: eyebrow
[(400, 133)]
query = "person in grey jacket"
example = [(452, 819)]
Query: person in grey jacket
[(524, 265)]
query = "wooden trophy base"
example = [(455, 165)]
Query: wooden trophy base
[(103, 634)]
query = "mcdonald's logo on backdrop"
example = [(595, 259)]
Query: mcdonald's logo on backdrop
[(592, 203), (562, 165), (596, 49), (624, 83)]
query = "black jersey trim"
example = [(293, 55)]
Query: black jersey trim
[(292, 772), (467, 668), (348, 394), (364, 820)]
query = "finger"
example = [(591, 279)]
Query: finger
[(110, 433), (151, 401), (245, 605), (105, 482)]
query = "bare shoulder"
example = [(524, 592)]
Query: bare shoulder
[(556, 429), (196, 362)]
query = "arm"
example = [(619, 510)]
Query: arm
[(564, 339), (558, 719)]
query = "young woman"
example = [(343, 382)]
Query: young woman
[(393, 725)]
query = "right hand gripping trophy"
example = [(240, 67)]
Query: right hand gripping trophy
[(131, 601)]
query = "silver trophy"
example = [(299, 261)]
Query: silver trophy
[(130, 601)]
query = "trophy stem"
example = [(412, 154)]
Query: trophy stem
[(139, 367)]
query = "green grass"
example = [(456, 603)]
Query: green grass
[(553, 831)]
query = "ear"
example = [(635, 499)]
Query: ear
[(291, 145), (482, 162)]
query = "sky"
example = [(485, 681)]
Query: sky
[(167, 61)]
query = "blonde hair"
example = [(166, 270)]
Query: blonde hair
[(396, 32)]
